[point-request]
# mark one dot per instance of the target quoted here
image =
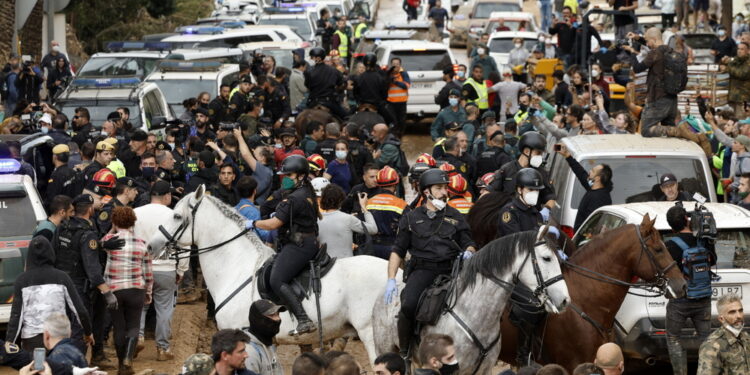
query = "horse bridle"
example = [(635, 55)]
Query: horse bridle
[(193, 250), (661, 280)]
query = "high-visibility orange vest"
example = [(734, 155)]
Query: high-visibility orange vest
[(386, 202), (397, 94), (461, 204)]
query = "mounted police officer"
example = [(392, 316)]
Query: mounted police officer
[(435, 234), (297, 220), (323, 80), (371, 87), (532, 147), (78, 254)]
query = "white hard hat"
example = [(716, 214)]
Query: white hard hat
[(318, 184)]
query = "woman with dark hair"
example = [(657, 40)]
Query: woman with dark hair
[(190, 105), (129, 276), (337, 228), (57, 76), (339, 170)]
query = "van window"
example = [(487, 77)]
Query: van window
[(636, 179), (732, 247), (414, 61), (229, 79), (483, 10), (16, 204)]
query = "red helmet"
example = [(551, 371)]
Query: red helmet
[(102, 182), (427, 159), (449, 169), (317, 162), (388, 177), (457, 185), (486, 180)]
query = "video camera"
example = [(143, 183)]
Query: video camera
[(702, 222), (228, 126)]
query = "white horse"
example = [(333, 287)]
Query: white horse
[(349, 289), (482, 292)]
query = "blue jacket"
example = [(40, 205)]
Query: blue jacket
[(64, 356), (247, 209)]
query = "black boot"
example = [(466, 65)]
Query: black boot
[(126, 365), (304, 324), (405, 334), (524, 346)]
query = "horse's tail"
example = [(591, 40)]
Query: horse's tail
[(483, 216)]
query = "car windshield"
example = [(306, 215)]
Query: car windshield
[(300, 25), (99, 110), (177, 90), (17, 205), (636, 179), (703, 41), (283, 57), (483, 10), (512, 25), (504, 45), (414, 61), (107, 66), (732, 247)]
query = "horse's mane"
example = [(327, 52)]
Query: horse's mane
[(232, 214), (497, 257)]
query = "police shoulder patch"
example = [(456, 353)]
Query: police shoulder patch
[(93, 245), (11, 348), (103, 216), (506, 217)]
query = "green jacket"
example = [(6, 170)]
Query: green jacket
[(444, 117), (739, 79), (723, 353)]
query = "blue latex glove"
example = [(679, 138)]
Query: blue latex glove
[(249, 224), (467, 254), (554, 231), (603, 50), (545, 214), (391, 290), (539, 113), (562, 255)]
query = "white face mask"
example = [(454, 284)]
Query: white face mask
[(341, 155), (541, 39), (531, 197), (480, 51), (104, 133), (171, 145), (536, 161), (518, 45), (736, 330), (595, 73), (438, 203)]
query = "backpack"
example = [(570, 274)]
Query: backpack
[(675, 72), (697, 267)]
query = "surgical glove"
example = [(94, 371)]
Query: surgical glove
[(554, 231), (391, 290), (249, 224), (111, 300), (467, 254), (545, 214), (562, 255), (114, 243)]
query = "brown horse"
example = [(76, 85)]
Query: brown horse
[(483, 216), (597, 277), (321, 115)]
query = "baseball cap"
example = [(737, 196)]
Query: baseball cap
[(139, 136), (114, 116), (608, 355), (127, 181), (111, 140), (287, 131), (83, 199), (60, 149), (743, 140), (161, 145), (488, 114), (667, 179), (266, 307), (202, 111), (104, 146), (46, 118), (198, 364), (246, 79), (454, 92), (160, 187), (452, 126)]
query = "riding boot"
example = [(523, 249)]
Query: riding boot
[(677, 355), (405, 334), (304, 324), (525, 339)]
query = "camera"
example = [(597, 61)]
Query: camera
[(228, 126), (702, 222)]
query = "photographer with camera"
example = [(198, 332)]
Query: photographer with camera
[(667, 76), (29, 81), (692, 248)]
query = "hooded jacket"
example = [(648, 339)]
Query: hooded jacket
[(40, 290)]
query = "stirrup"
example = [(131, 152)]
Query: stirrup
[(307, 327)]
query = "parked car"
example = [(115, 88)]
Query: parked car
[(640, 323), (474, 15)]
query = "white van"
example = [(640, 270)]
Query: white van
[(637, 164), (216, 36), (424, 62)]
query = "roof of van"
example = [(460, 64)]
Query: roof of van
[(252, 46), (414, 44), (629, 144), (727, 215)]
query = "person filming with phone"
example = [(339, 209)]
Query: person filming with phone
[(597, 182)]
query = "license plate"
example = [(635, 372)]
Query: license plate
[(719, 291), (422, 86)]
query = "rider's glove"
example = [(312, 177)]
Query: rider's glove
[(391, 290), (249, 224), (554, 231), (545, 214), (467, 254), (562, 255)]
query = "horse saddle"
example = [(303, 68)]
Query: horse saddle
[(433, 301), (301, 284)]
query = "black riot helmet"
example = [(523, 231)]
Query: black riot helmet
[(416, 170), (532, 140), (529, 178), (370, 60), (431, 177), (294, 164), (318, 52)]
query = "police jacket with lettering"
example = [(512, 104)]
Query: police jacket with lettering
[(77, 251), (437, 239), (516, 217)]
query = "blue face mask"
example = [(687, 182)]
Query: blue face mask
[(453, 101), (461, 74), (148, 171), (44, 130), (341, 155)]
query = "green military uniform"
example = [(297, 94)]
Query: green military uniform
[(739, 79), (724, 353)]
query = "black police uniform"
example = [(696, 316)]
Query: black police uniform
[(219, 111), (277, 105), (505, 181), (465, 165), (359, 156), (61, 182), (371, 87), (83, 134), (490, 159), (298, 237), (104, 216), (131, 161), (237, 105), (78, 253), (516, 217), (327, 149), (321, 81), (12, 355), (434, 243), (90, 171), (228, 196)]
